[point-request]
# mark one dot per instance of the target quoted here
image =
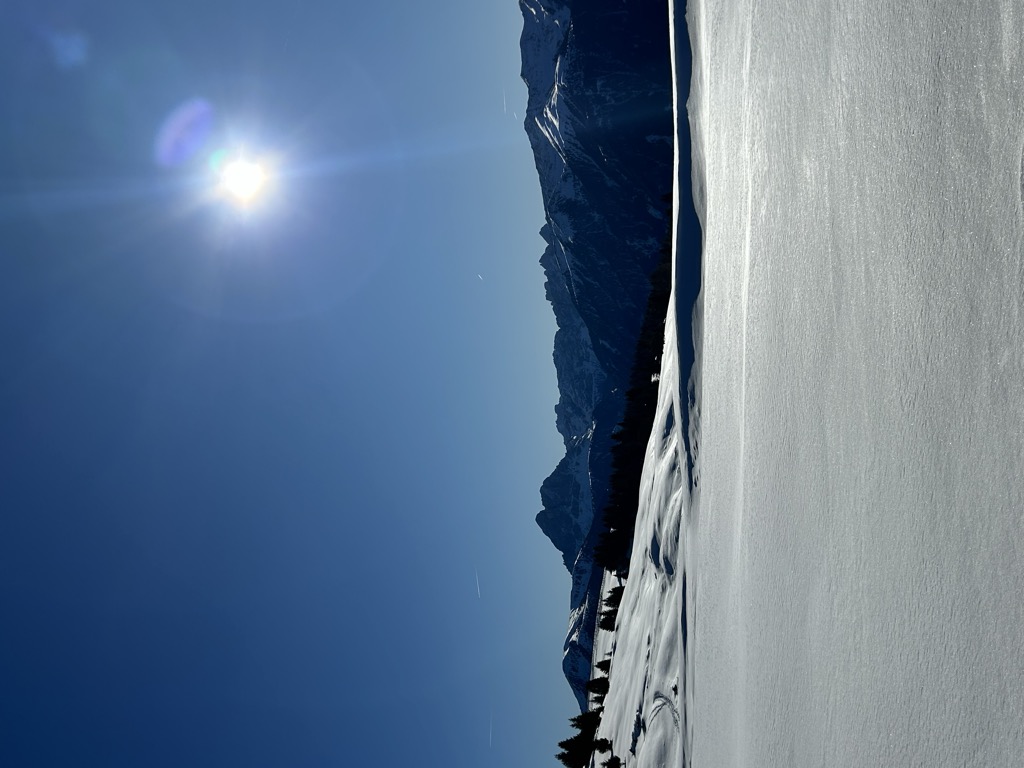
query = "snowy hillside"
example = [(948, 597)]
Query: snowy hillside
[(643, 714), (854, 546)]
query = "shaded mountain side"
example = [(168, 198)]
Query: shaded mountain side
[(629, 440), (599, 120)]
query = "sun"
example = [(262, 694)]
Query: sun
[(242, 180)]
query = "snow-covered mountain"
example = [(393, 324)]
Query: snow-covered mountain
[(599, 118), (838, 581)]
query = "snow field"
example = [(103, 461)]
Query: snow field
[(859, 537)]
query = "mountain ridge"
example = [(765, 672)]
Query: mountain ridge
[(599, 121)]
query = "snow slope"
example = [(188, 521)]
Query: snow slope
[(859, 535), (854, 545)]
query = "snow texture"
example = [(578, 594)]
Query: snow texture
[(859, 532), (853, 538)]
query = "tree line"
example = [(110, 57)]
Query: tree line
[(629, 440)]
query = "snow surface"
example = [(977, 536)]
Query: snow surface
[(854, 545)]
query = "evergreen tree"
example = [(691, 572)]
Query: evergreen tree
[(607, 621), (598, 685), (586, 722), (614, 598), (577, 749)]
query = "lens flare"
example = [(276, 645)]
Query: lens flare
[(183, 133)]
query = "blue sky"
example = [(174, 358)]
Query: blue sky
[(255, 463)]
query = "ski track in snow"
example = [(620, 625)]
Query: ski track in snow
[(839, 583)]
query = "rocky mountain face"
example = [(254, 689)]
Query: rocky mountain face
[(599, 119)]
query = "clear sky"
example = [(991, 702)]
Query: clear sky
[(268, 476)]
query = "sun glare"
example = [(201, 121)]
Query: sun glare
[(242, 180)]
